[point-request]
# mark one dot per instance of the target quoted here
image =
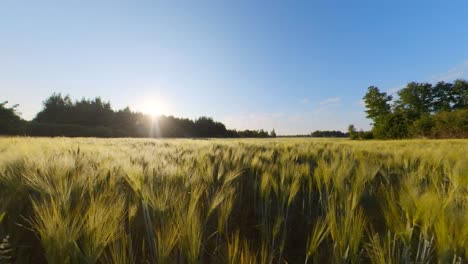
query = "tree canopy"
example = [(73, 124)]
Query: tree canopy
[(61, 116), (377, 103), (10, 121), (421, 110), (328, 133)]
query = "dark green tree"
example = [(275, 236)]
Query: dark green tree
[(273, 133), (453, 124), (416, 99), (94, 112), (55, 109), (422, 110), (377, 103), (207, 127), (60, 116), (423, 126), (442, 97), (328, 133), (395, 125), (352, 132), (10, 122), (460, 94), (378, 109)]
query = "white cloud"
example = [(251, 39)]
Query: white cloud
[(361, 103), (459, 71), (322, 117), (331, 101)]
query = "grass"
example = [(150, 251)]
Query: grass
[(233, 201)]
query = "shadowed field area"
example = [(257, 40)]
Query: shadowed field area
[(233, 201)]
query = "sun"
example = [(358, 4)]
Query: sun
[(154, 108), (154, 111)]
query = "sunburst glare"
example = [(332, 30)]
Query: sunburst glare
[(154, 108)]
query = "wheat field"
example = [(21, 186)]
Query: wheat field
[(296, 200)]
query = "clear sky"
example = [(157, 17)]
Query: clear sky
[(295, 66)]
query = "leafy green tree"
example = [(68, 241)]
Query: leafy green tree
[(395, 125), (453, 124), (94, 112), (273, 133), (422, 110), (207, 127), (328, 133), (352, 132), (423, 126), (416, 99), (460, 94), (377, 103), (61, 116), (442, 97), (366, 135), (10, 122), (379, 110), (55, 109)]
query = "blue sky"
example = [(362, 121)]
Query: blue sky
[(295, 66)]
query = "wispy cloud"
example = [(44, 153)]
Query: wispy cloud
[(361, 103), (394, 90), (459, 71), (323, 116), (331, 101), (304, 100)]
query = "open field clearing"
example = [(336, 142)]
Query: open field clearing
[(299, 200)]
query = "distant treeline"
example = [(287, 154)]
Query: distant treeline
[(60, 116), (332, 133), (320, 134), (420, 110)]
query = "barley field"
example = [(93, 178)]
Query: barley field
[(298, 200)]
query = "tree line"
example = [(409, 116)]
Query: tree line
[(328, 134), (61, 116), (421, 110)]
